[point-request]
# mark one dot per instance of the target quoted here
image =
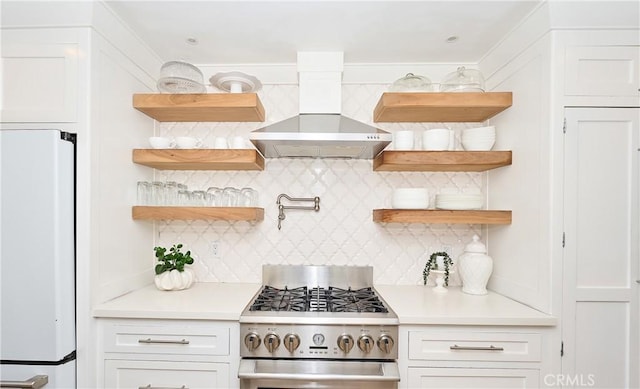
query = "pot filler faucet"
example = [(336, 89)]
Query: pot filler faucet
[(282, 207)]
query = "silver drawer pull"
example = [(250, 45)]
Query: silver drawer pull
[(490, 348), (161, 341), (35, 382), (162, 387)]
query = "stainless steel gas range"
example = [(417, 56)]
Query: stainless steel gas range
[(318, 327)]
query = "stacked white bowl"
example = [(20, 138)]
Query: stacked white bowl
[(410, 198), (479, 139), (437, 139), (459, 201)]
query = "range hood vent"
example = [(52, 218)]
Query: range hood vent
[(320, 131)]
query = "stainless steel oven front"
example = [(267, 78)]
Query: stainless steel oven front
[(316, 374)]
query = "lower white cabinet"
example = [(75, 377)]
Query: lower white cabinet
[(165, 374), (439, 356), (145, 353)]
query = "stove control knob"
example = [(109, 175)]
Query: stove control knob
[(365, 343), (385, 343), (291, 342), (345, 342), (252, 341), (271, 342)]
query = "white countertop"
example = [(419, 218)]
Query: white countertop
[(413, 304), (421, 305), (206, 300)]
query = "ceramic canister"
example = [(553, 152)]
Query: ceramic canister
[(475, 267)]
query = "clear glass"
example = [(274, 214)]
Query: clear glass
[(230, 197), (171, 192), (144, 193), (157, 193), (199, 198), (184, 198), (215, 196), (248, 197)]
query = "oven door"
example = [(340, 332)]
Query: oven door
[(317, 374)]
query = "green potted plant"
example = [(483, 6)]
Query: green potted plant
[(438, 261), (171, 273)]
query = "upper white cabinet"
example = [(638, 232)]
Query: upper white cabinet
[(40, 77), (602, 71)]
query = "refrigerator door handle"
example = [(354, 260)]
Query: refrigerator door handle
[(34, 382)]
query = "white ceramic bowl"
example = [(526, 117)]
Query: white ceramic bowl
[(436, 139), (410, 198)]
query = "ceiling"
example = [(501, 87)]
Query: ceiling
[(237, 32)]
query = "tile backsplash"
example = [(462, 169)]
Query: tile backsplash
[(342, 232)]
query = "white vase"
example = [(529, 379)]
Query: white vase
[(475, 267), (174, 280)]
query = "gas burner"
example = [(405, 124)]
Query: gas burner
[(318, 299), (358, 300), (274, 299)]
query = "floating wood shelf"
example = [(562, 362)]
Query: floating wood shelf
[(440, 161), (440, 107), (438, 216), (206, 107), (197, 213), (199, 159)]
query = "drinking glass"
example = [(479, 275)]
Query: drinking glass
[(171, 192), (144, 193), (248, 197), (157, 193), (215, 196), (199, 198), (184, 198), (230, 197)]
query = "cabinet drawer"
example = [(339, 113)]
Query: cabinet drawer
[(165, 374), (472, 378), (474, 346), (167, 339)]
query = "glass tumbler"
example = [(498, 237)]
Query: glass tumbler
[(215, 196), (171, 193), (157, 193), (184, 198), (199, 198), (144, 193), (248, 197), (230, 197)]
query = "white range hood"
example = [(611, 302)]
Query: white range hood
[(320, 131)]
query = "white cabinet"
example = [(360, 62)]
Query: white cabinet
[(600, 293), (140, 353), (40, 76), (472, 357), (602, 71)]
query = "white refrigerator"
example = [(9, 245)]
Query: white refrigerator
[(37, 259)]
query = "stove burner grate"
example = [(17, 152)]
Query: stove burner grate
[(318, 299)]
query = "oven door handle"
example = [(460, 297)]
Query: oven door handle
[(249, 369)]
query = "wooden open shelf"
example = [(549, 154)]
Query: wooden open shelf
[(439, 216), (206, 107), (440, 161), (440, 107), (197, 213), (199, 159)]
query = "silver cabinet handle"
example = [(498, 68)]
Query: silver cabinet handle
[(35, 382), (161, 341), (490, 348), (162, 387)]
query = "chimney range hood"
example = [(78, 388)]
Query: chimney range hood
[(320, 131)]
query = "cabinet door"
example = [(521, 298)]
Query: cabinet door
[(602, 71), (165, 374), (600, 297), (40, 79), (427, 377)]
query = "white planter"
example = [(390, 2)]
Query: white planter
[(174, 280), (475, 267)]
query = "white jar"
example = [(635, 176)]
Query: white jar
[(475, 267)]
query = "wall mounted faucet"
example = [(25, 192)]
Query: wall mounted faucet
[(282, 207)]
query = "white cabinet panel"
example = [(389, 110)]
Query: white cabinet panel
[(471, 378), (600, 297), (40, 82), (602, 71), (165, 374)]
